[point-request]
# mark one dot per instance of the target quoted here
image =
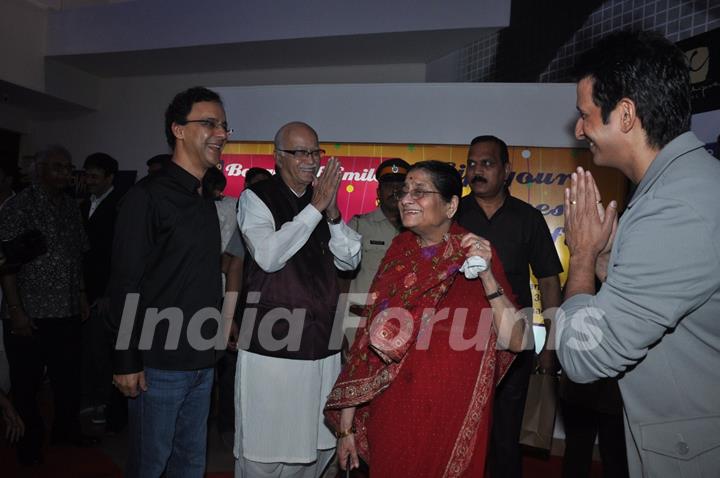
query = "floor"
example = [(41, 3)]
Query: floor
[(219, 458), (107, 459)]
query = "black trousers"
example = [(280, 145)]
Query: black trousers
[(582, 425), (96, 360), (55, 345), (226, 392), (505, 454), (97, 389)]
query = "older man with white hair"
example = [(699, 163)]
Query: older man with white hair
[(296, 242), (45, 303)]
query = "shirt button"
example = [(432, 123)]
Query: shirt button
[(682, 448)]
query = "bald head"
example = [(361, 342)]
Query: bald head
[(297, 155), (291, 129)]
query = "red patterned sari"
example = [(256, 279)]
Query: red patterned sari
[(423, 386)]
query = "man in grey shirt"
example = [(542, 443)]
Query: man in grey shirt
[(654, 322)]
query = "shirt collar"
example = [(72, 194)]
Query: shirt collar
[(506, 204), (377, 215), (184, 178), (679, 146), (278, 177), (101, 198)]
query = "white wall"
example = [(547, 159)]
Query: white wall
[(437, 113), (23, 36), (151, 24), (129, 121), (14, 119), (22, 43)]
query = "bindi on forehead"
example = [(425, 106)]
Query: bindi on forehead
[(419, 184)]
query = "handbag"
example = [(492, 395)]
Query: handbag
[(539, 414)]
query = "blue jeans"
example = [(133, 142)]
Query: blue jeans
[(168, 424)]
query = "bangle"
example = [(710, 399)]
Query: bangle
[(345, 433), (335, 220)]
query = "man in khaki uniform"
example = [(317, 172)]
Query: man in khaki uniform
[(378, 228)]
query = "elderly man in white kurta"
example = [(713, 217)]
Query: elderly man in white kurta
[(289, 354)]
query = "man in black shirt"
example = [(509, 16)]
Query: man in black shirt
[(165, 285), (521, 237)]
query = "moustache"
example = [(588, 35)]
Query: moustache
[(478, 179)]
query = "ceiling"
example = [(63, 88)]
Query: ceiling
[(35, 101), (375, 49), (429, 38), (70, 4)]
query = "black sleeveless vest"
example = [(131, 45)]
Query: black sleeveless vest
[(307, 285)]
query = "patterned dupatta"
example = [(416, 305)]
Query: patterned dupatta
[(412, 279)]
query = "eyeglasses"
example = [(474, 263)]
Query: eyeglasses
[(485, 163), (415, 194), (61, 167), (211, 124), (303, 153)]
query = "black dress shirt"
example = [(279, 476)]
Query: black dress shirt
[(521, 236), (167, 250)]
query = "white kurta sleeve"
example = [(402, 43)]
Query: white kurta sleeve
[(346, 246), (272, 249)]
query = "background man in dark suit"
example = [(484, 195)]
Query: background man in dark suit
[(99, 212)]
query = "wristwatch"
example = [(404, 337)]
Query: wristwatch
[(335, 220), (499, 292)]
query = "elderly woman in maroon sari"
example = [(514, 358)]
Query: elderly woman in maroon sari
[(414, 398)]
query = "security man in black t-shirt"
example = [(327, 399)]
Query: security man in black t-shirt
[(521, 236)]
